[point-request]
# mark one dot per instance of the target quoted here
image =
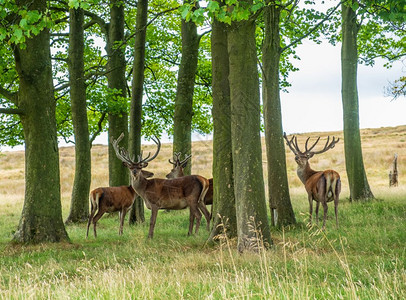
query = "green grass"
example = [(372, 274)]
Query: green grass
[(364, 259)]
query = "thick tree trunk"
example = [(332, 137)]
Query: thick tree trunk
[(79, 209), (137, 210), (252, 221), (182, 123), (118, 122), (278, 188), (357, 179), (41, 218), (224, 213)]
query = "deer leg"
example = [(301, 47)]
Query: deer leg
[(198, 216), (122, 217), (317, 212), (95, 219), (336, 209), (206, 214), (154, 213), (325, 209), (191, 221), (92, 212), (310, 208)]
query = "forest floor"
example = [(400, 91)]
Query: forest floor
[(365, 258)]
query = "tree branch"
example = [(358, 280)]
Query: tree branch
[(103, 25), (100, 128), (13, 97), (313, 29), (11, 111)]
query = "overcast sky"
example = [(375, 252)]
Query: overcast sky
[(314, 100)]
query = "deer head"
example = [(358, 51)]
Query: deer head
[(302, 157), (135, 166), (178, 165)]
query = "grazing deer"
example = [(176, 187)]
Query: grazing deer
[(111, 199), (177, 172), (393, 174), (179, 193), (321, 186)]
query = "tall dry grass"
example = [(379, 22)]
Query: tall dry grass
[(379, 146)]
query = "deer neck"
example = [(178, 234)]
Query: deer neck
[(305, 172), (139, 184)]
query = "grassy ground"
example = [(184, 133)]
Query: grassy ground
[(364, 259)]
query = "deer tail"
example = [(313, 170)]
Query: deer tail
[(205, 187), (331, 184)]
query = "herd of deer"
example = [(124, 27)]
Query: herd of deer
[(194, 191)]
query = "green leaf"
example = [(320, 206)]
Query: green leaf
[(213, 6)]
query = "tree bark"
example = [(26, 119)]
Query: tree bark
[(224, 212), (41, 219), (137, 210), (182, 123), (118, 122), (278, 188), (357, 179), (79, 210), (252, 222)]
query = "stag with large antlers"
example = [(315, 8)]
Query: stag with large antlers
[(321, 186), (177, 171), (174, 194)]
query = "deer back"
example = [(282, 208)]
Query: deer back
[(320, 183)]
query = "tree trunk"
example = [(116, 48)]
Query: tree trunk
[(137, 210), (79, 210), (182, 123), (41, 219), (252, 222), (357, 179), (118, 122), (224, 213), (278, 188)]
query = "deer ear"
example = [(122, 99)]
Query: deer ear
[(143, 165), (184, 164), (310, 155)]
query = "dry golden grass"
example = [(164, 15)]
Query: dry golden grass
[(379, 146)]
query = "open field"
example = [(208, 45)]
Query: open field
[(364, 259)]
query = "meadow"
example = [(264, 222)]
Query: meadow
[(365, 258)]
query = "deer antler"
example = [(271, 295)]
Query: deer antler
[(147, 159), (176, 159), (294, 148), (327, 146), (121, 152), (293, 145)]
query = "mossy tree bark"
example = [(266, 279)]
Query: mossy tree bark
[(357, 179), (278, 188), (182, 123), (137, 210), (41, 218), (79, 209), (245, 126), (118, 121), (224, 212)]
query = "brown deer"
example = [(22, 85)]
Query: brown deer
[(177, 171), (111, 199), (172, 194), (321, 186)]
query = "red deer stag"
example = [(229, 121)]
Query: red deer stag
[(179, 193), (177, 172), (321, 186), (111, 199)]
